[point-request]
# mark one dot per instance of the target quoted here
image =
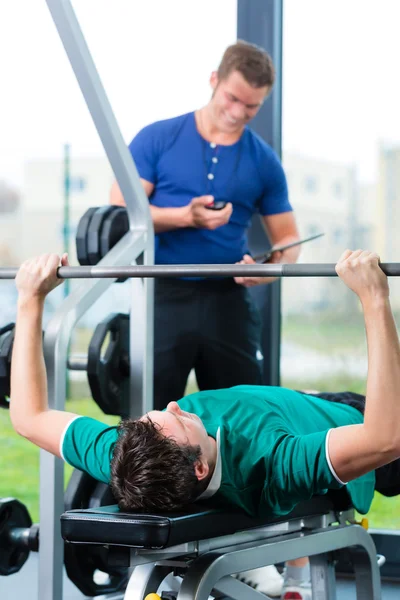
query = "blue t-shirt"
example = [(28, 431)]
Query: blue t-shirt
[(173, 156)]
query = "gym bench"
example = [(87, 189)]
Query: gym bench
[(205, 546)]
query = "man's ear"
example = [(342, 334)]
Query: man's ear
[(201, 469), (214, 80)]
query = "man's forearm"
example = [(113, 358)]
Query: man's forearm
[(28, 374), (291, 254), (166, 219)]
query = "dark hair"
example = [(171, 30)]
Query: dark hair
[(253, 62), (150, 471)]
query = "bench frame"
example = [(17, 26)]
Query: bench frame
[(207, 565)]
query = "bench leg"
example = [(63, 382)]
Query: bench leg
[(146, 579), (205, 572), (323, 579), (237, 590), (367, 575)]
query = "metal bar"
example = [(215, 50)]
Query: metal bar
[(205, 571), (273, 270), (101, 112), (146, 579), (323, 581), (77, 362), (67, 205), (235, 589), (261, 22)]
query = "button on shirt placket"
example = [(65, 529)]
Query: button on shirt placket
[(211, 167)]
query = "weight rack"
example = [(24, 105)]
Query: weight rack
[(139, 241)]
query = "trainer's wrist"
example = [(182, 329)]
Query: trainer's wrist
[(187, 216)]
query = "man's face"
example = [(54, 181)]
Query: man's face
[(183, 427), (235, 102)]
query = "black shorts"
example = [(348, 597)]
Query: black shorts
[(387, 477)]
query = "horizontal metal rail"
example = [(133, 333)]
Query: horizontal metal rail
[(269, 270)]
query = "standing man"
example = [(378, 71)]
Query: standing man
[(189, 166)]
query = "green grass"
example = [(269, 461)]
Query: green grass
[(325, 332), (330, 383), (384, 513)]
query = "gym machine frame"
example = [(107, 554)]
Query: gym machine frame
[(138, 241), (212, 562)]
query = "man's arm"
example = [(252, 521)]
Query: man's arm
[(357, 449), (281, 229), (29, 410), (195, 214), (117, 198)]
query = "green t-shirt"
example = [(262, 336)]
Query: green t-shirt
[(272, 443)]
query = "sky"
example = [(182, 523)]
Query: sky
[(341, 96)]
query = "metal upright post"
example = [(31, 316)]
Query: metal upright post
[(66, 211), (260, 22)]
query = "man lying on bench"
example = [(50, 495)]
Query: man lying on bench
[(262, 449)]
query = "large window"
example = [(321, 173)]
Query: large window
[(155, 59), (341, 129)]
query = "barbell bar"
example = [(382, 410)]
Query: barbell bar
[(254, 270)]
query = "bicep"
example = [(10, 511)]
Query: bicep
[(47, 429), (117, 198), (352, 452), (280, 226)]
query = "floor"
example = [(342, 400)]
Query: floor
[(24, 585)]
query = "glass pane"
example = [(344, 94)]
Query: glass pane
[(154, 59), (341, 152)]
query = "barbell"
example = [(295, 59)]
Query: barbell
[(256, 270)]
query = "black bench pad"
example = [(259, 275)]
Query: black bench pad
[(109, 525)]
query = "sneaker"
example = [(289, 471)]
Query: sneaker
[(296, 590), (266, 580)]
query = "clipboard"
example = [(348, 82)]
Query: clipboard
[(263, 258)]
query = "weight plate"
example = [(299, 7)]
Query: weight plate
[(13, 514), (108, 367), (79, 490), (94, 233), (6, 343), (114, 228), (82, 236)]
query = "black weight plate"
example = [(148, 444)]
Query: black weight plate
[(82, 236), (94, 233), (101, 496), (108, 369), (79, 490), (114, 229), (81, 564), (6, 344), (13, 514)]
